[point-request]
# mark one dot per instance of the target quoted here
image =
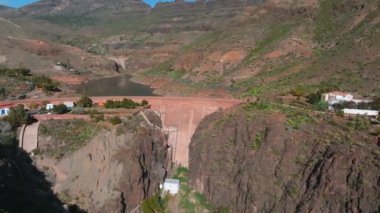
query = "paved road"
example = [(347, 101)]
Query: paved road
[(30, 137)]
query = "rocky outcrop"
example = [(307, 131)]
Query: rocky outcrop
[(255, 161), (116, 170)]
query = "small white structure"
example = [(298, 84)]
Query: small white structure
[(171, 186), (49, 106), (69, 104), (353, 112), (4, 111), (337, 97), (357, 101)]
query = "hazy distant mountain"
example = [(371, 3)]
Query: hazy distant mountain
[(75, 7)]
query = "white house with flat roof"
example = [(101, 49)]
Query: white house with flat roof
[(49, 106), (69, 104), (362, 112), (4, 111), (171, 186), (337, 97)]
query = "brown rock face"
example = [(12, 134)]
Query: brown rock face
[(116, 170), (255, 162)]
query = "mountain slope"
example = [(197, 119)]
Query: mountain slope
[(280, 46), (8, 28)]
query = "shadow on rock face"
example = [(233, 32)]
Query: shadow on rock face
[(23, 188)]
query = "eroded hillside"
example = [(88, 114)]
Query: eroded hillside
[(100, 168)]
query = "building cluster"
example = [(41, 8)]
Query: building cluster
[(335, 98), (4, 110)]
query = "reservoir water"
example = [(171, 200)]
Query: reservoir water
[(114, 86)]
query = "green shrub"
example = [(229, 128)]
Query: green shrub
[(98, 117), (115, 120), (84, 102), (256, 144), (154, 204), (17, 72), (144, 103), (45, 83), (125, 103), (109, 104), (60, 109), (17, 116)]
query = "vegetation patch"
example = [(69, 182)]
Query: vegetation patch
[(274, 33), (66, 136), (155, 204), (191, 201), (259, 138), (23, 75), (296, 117), (125, 103)]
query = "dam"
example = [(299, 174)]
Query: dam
[(180, 116)]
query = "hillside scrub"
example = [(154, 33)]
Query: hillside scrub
[(66, 136)]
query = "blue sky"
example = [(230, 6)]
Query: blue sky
[(20, 3)]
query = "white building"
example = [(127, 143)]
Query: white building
[(357, 101), (69, 104), (4, 111), (171, 186), (49, 106), (337, 97), (353, 112)]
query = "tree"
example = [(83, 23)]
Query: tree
[(115, 120), (144, 103), (60, 109), (17, 116), (128, 103), (109, 104), (84, 102)]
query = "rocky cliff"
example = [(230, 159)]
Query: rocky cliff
[(274, 159), (114, 171)]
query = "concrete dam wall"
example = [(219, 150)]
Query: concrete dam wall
[(180, 116)]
